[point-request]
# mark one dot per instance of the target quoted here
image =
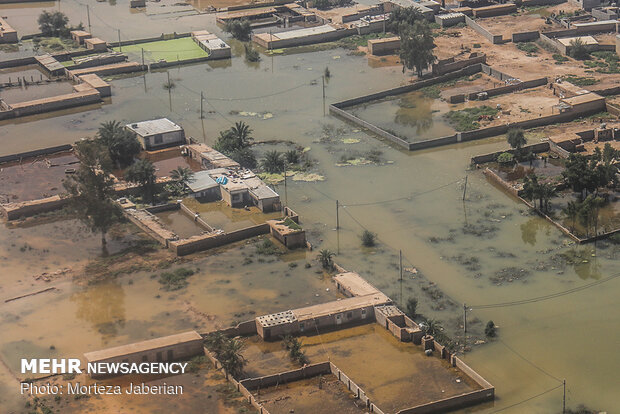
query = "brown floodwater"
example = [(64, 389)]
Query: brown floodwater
[(488, 249)]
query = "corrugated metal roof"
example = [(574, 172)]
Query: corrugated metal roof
[(155, 126), (202, 181)]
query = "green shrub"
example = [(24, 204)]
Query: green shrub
[(528, 47), (175, 280), (559, 59), (489, 330), (467, 119), (368, 238), (505, 158)]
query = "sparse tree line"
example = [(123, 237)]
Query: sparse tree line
[(584, 174)]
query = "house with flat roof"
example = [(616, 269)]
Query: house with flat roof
[(7, 33), (158, 133), (204, 186), (213, 45), (165, 349)]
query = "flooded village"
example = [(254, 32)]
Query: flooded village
[(371, 206)]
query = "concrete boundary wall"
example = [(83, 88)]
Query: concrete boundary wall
[(14, 211), (307, 371), (535, 148), (35, 153), (495, 39), (525, 36), (209, 241)]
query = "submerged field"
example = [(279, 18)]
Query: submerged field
[(169, 50)]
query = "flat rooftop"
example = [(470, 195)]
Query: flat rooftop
[(355, 284), (339, 306), (202, 181), (309, 31), (143, 346), (155, 126)]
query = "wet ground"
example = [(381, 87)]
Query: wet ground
[(180, 223), (31, 92), (220, 215), (307, 396), (393, 374), (485, 250), (35, 178)]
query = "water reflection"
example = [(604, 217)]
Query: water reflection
[(530, 228), (417, 113), (103, 306)]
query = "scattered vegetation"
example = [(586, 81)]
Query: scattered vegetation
[(580, 80), (288, 222), (467, 119), (228, 352), (251, 54), (505, 158), (239, 29), (325, 257), (559, 59), (235, 143), (490, 329), (175, 280), (293, 346), (273, 162), (412, 306), (528, 47), (53, 23), (368, 238), (578, 49), (267, 248)]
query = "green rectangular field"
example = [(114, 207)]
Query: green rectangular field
[(169, 50)]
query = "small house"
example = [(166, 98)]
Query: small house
[(80, 36), (158, 133), (204, 186), (96, 45)]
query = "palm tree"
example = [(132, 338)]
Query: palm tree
[(215, 342), (142, 172), (243, 134), (547, 190), (273, 162), (292, 157), (120, 142), (325, 257), (572, 212), (432, 327), (231, 358), (182, 175)]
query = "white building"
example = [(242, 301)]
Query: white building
[(158, 133)]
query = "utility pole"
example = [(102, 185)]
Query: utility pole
[(201, 113), (323, 79), (120, 47), (465, 188), (168, 73), (564, 397), (142, 49), (400, 264), (337, 217), (88, 14), (464, 319), (285, 191)]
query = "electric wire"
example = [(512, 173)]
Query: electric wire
[(530, 362), (527, 399)]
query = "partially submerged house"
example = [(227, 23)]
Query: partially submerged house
[(158, 133)]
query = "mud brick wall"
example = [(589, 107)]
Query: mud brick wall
[(525, 36), (495, 39), (209, 241)]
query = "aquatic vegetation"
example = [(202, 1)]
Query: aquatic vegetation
[(175, 280)]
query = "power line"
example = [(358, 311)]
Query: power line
[(530, 362), (546, 297), (528, 399), (409, 197)]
